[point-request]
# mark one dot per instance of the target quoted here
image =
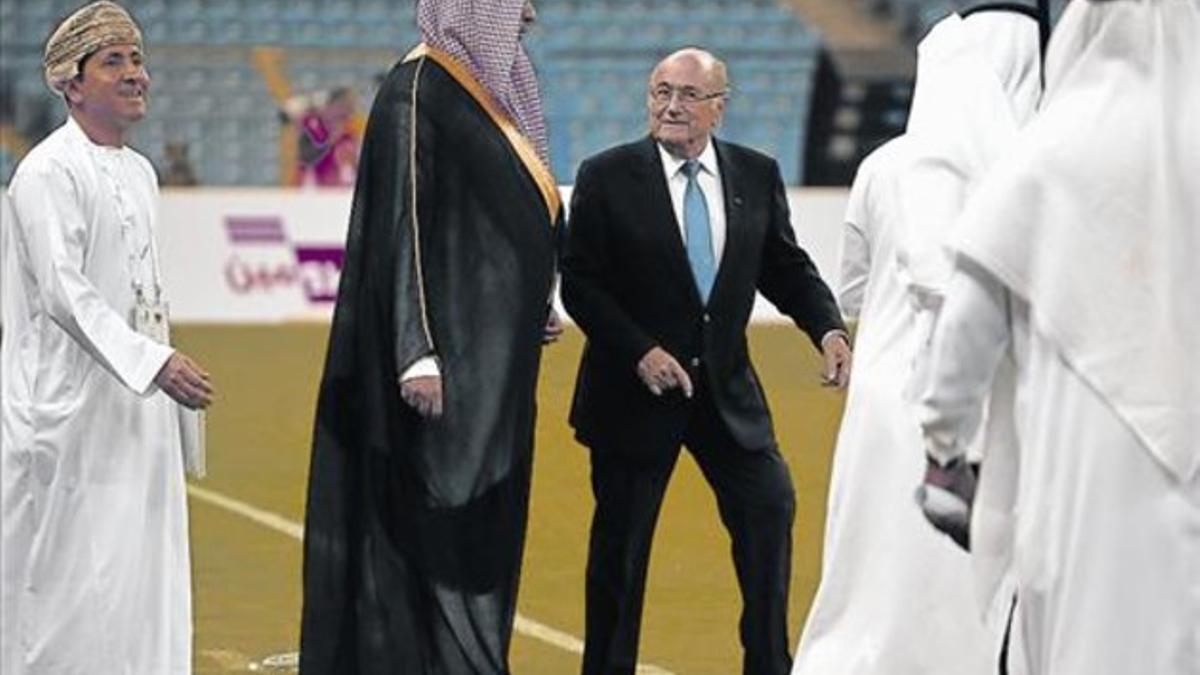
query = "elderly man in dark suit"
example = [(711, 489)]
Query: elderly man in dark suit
[(670, 237)]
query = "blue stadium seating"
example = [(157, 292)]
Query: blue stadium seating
[(593, 57), (916, 17)]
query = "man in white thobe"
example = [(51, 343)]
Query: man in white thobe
[(1077, 260), (95, 563), (896, 597)]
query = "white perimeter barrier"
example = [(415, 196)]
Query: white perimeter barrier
[(274, 255)]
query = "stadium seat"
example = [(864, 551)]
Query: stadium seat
[(593, 58)]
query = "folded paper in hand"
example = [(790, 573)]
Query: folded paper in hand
[(191, 436)]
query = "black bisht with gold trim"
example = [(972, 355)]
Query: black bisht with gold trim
[(415, 528)]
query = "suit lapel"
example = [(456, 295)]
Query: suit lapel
[(731, 189), (661, 214)]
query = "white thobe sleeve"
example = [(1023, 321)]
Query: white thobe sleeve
[(54, 232), (856, 266), (426, 366), (970, 337), (933, 193)]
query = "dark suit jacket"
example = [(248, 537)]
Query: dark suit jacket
[(627, 283)]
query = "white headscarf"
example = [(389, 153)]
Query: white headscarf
[(1010, 43), (1094, 219), (978, 81)]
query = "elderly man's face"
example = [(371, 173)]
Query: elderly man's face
[(686, 102), (528, 17), (112, 87)]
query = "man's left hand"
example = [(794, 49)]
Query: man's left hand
[(835, 348), (553, 329), (423, 394)]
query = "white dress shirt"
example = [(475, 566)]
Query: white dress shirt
[(709, 178)]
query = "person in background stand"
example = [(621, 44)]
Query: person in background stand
[(329, 144)]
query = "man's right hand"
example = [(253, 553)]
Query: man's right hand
[(553, 329), (947, 497), (424, 394), (660, 371), (185, 381)]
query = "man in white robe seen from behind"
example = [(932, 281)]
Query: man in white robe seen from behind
[(95, 560), (977, 83), (1077, 259)]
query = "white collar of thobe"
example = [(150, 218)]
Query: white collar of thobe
[(76, 131), (105, 155), (672, 165)]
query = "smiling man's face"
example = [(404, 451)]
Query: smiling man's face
[(686, 102), (112, 87)]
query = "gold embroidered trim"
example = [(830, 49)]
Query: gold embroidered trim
[(416, 221), (520, 144)]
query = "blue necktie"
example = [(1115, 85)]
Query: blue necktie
[(698, 233)]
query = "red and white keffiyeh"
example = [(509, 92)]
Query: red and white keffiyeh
[(485, 36)]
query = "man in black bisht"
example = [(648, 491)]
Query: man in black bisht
[(419, 483)]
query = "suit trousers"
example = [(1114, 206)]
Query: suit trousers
[(757, 504)]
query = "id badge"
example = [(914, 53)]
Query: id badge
[(152, 320)]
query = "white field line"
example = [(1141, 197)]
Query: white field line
[(522, 624), (272, 521)]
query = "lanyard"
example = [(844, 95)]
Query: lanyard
[(134, 256)]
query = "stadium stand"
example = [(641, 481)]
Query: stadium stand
[(594, 56), (916, 17)]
